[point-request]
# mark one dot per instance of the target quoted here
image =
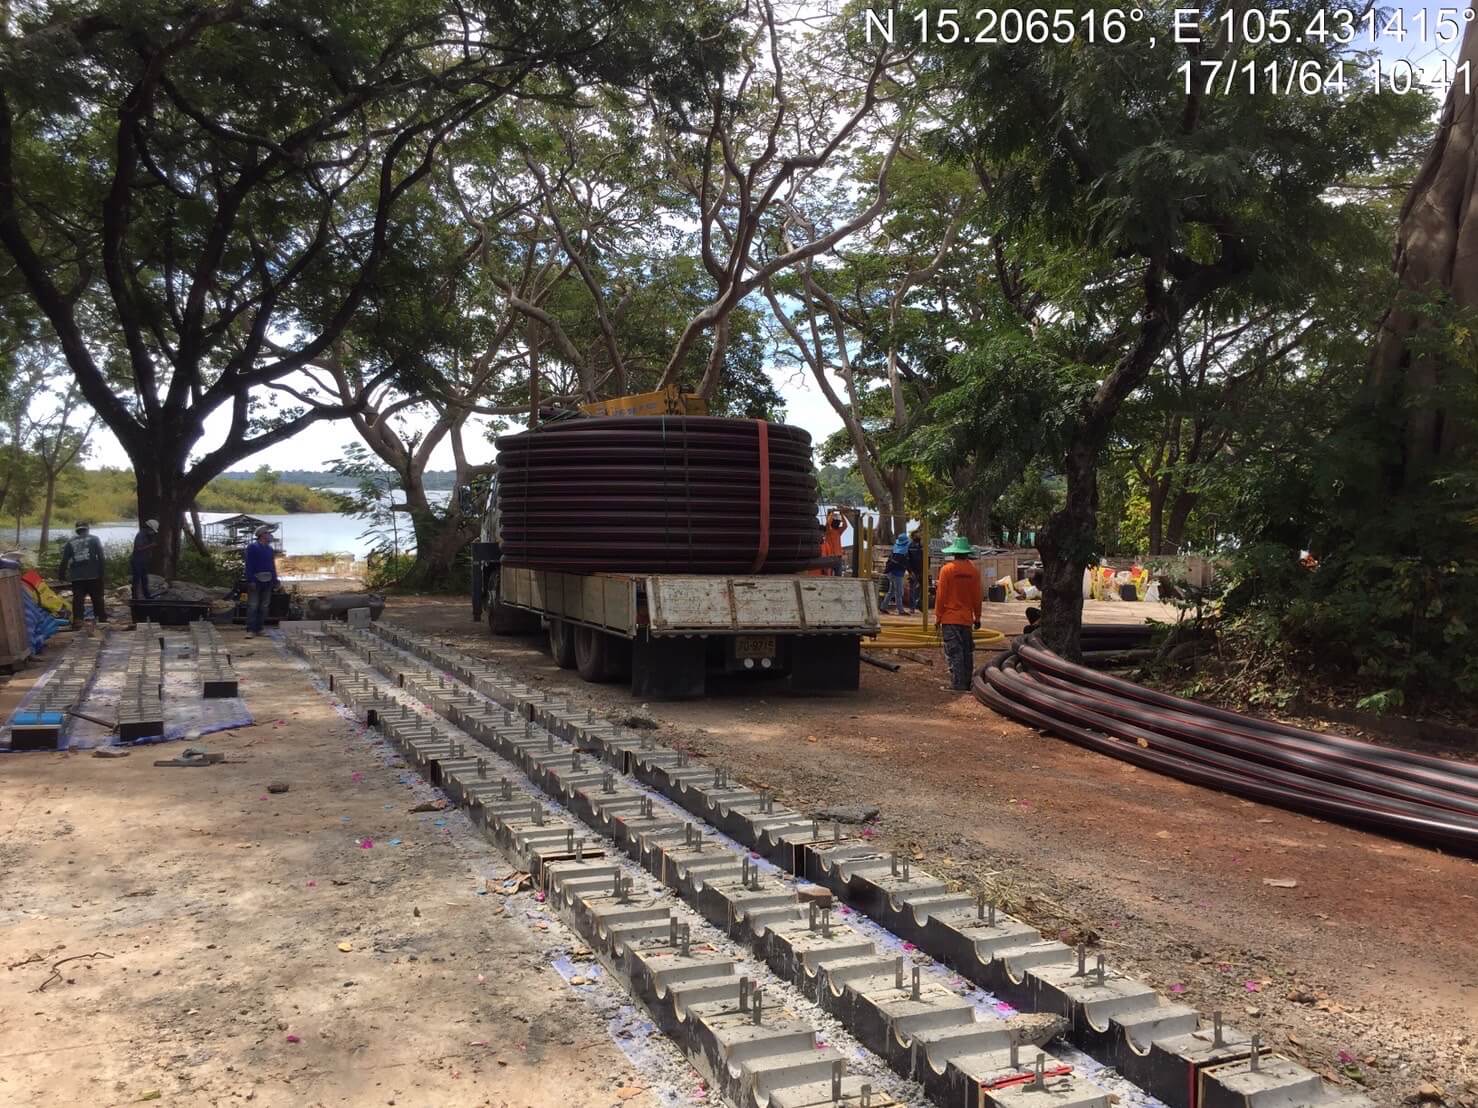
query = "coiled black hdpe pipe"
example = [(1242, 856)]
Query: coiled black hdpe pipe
[(1395, 792), (677, 494)]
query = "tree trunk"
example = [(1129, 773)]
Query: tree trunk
[(164, 494), (1180, 514), (897, 514), (1156, 489), (1068, 541), (197, 532), (46, 508), (438, 542), (1066, 544), (439, 538), (1436, 255)]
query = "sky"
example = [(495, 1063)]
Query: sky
[(324, 441), (318, 446)]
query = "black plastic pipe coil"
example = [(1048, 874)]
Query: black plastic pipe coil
[(647, 494), (1335, 777)]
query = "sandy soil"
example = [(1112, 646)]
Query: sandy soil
[(1363, 969), (204, 918)]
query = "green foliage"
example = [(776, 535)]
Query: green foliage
[(183, 188), (264, 492), (841, 485), (109, 495), (386, 569), (372, 500), (220, 569), (1393, 601)]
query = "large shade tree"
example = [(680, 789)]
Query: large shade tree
[(199, 197), (1437, 270), (1129, 194)]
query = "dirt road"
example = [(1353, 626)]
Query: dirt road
[(214, 943), (1359, 962)]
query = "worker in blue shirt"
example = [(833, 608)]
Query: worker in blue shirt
[(895, 570), (261, 579)]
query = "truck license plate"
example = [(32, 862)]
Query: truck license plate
[(754, 646)]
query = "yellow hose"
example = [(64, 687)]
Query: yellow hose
[(898, 636)]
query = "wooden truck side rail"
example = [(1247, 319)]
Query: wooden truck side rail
[(687, 604)]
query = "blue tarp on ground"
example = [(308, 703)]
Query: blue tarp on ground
[(40, 624), (187, 714)]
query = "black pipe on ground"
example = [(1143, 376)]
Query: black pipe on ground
[(1376, 788)]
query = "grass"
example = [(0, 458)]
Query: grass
[(108, 495)]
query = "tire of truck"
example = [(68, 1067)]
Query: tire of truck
[(562, 643), (595, 655)]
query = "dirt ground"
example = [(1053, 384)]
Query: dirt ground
[(1360, 962), (216, 944)]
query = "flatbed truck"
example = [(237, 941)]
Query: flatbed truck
[(668, 633)]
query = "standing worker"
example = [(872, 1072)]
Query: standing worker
[(143, 553), (82, 565), (894, 571), (261, 579), (957, 599), (831, 540), (916, 599)]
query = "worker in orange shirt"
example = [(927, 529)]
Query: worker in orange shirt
[(957, 598), (831, 540)]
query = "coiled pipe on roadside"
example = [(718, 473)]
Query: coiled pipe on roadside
[(1394, 792)]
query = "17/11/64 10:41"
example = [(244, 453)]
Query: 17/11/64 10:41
[(1311, 78)]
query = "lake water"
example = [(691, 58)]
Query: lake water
[(302, 532)]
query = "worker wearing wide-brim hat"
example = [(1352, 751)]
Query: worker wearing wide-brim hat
[(957, 600), (261, 579)]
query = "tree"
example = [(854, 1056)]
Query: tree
[(1387, 497), (199, 199), (1125, 200), (761, 144), (869, 317), (1436, 248), (60, 442)]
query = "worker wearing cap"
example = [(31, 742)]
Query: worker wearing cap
[(895, 570), (143, 553), (261, 579), (957, 598), (82, 566)]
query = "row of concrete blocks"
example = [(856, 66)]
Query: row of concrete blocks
[(70, 679), (141, 702), (40, 725), (1160, 1046), (922, 1029), (212, 661), (753, 1060)]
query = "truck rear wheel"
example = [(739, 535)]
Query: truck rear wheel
[(562, 643), (595, 655)]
